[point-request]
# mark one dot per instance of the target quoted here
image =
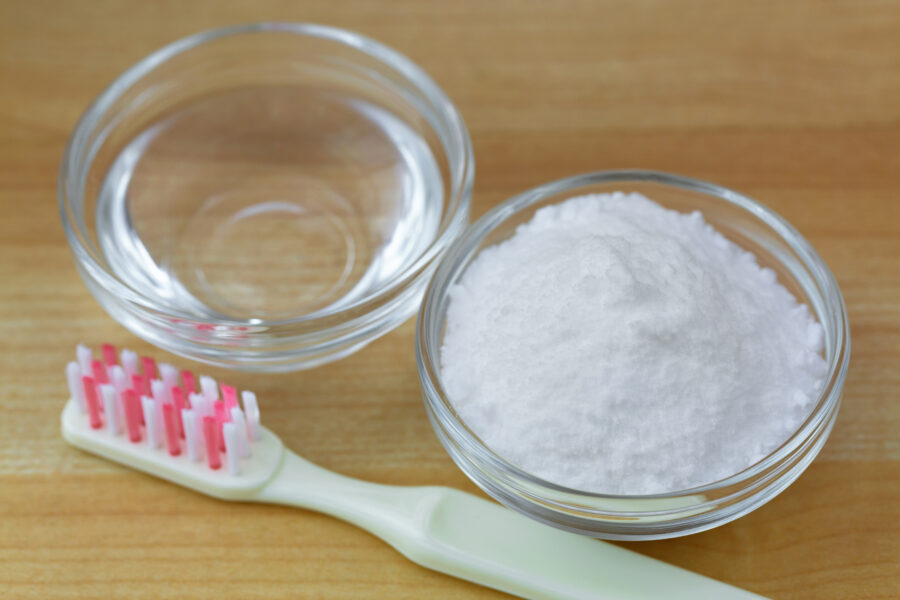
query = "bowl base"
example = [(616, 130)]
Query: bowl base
[(269, 202)]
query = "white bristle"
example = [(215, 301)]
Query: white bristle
[(76, 389), (198, 403), (158, 391), (251, 410), (149, 407), (120, 384), (237, 435), (209, 388), (194, 450), (85, 356), (129, 363), (118, 378), (169, 376), (232, 448), (111, 409), (237, 416), (198, 436), (209, 407)]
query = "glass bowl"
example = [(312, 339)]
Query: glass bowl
[(266, 197), (741, 219)]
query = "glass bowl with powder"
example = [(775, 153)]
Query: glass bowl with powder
[(632, 355)]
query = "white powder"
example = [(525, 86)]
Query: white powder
[(612, 345)]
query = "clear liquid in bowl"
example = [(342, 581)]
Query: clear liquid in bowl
[(269, 203)]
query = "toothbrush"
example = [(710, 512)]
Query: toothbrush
[(217, 446)]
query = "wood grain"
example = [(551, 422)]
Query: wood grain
[(795, 103)]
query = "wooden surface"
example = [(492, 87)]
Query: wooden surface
[(795, 103)]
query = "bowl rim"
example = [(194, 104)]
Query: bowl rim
[(460, 181), (463, 250)]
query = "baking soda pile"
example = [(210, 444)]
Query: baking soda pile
[(615, 346)]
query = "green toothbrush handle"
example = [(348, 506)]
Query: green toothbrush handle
[(465, 536)]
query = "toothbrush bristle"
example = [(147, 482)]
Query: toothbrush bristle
[(83, 355), (188, 416), (157, 389), (178, 403), (132, 415), (209, 388), (149, 367), (221, 413), (237, 417), (90, 398), (109, 354), (222, 417), (169, 375), (110, 409), (73, 377), (129, 362), (150, 407), (251, 410), (229, 395), (188, 381), (98, 371), (233, 453), (139, 384), (210, 435), (172, 438)]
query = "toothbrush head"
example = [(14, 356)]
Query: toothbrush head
[(213, 446)]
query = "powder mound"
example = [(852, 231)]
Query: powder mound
[(612, 345)]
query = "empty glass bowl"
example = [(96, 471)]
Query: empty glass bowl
[(754, 227), (266, 197)]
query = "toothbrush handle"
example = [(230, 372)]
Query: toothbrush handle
[(470, 538)]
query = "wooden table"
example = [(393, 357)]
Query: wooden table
[(795, 103)]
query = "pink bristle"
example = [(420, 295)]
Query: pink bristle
[(229, 394), (140, 385), (171, 406), (169, 420), (222, 417), (210, 436), (149, 367), (189, 382), (99, 371), (90, 398), (132, 415), (109, 354), (222, 412), (141, 388), (178, 402)]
